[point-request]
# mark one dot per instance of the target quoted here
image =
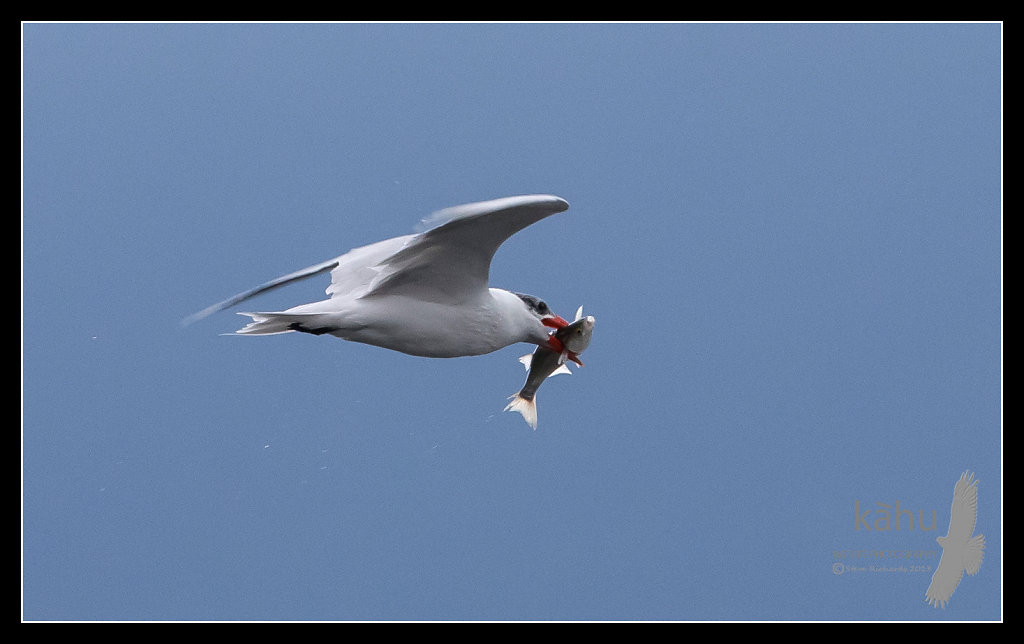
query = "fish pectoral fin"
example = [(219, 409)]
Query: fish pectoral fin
[(561, 369)]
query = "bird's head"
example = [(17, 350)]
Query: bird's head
[(539, 309)]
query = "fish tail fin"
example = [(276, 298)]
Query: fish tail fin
[(526, 407), (973, 555), (273, 323)]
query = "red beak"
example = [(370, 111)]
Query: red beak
[(555, 344), (555, 322)]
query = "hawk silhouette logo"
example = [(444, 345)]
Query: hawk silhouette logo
[(960, 551)]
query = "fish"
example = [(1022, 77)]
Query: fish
[(544, 363), (575, 337)]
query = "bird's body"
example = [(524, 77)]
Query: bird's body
[(424, 328), (425, 294)]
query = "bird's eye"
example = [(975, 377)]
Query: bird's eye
[(542, 307)]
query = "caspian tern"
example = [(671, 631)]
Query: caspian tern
[(424, 294)]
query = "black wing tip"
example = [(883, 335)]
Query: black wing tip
[(556, 203), (548, 204), (200, 315), (562, 204)]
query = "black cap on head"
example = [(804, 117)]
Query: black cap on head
[(536, 304)]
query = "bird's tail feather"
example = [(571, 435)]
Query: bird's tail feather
[(973, 555), (528, 408), (271, 323)]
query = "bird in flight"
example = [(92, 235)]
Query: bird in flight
[(960, 551), (424, 294)]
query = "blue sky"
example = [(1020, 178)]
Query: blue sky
[(789, 234)]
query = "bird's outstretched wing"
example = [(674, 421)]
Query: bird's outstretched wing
[(451, 263), (946, 578), (964, 512), (309, 271)]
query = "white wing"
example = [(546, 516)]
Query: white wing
[(447, 264), (262, 288), (360, 269), (451, 263)]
